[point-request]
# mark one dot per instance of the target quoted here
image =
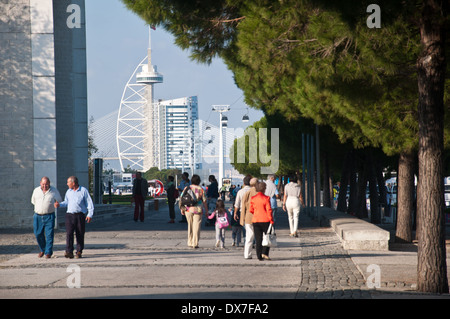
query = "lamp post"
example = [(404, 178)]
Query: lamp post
[(223, 124)]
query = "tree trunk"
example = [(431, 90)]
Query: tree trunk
[(375, 212), (431, 266), (326, 181), (342, 199), (361, 209), (405, 197), (381, 183), (353, 194)]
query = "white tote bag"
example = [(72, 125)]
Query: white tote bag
[(270, 238)]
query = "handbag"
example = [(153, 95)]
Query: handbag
[(270, 238)]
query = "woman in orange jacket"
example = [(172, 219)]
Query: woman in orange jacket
[(262, 218)]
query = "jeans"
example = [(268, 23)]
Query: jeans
[(236, 233), (220, 235), (44, 226)]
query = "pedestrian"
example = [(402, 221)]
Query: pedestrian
[(171, 198), (222, 222), (194, 213), (140, 192), (212, 194), (44, 198), (80, 210), (272, 192), (238, 201), (262, 218), (223, 191), (292, 200), (246, 218), (236, 230), (183, 183)]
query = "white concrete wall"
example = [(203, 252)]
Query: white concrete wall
[(43, 103), (43, 72)]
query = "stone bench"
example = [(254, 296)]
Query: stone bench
[(355, 233)]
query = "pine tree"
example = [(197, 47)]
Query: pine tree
[(318, 59)]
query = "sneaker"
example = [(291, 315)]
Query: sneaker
[(217, 243)]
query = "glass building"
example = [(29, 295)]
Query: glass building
[(179, 134)]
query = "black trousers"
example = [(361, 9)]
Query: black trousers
[(75, 223), (171, 209), (259, 229)]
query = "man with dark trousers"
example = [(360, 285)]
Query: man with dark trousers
[(140, 191), (80, 210)]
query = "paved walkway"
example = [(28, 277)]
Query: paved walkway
[(127, 259)]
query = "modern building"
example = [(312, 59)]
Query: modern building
[(178, 134), (43, 101)]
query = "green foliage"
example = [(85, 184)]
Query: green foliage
[(206, 27), (161, 175), (310, 59), (300, 60)]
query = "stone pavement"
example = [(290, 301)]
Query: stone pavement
[(127, 259)]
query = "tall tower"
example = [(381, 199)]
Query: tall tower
[(149, 76)]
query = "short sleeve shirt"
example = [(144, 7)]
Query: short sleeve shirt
[(198, 191), (292, 189)]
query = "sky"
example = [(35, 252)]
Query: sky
[(117, 40)]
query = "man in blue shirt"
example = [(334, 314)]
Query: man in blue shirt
[(80, 209)]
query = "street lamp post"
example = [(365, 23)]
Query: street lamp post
[(223, 124)]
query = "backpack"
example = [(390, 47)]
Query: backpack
[(223, 220), (188, 197)]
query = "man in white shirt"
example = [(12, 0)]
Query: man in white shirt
[(43, 199), (272, 192)]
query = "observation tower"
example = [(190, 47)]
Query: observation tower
[(137, 124)]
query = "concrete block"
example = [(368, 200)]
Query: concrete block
[(355, 233)]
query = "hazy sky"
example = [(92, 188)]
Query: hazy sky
[(117, 40)]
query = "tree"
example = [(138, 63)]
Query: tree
[(318, 59), (431, 66)]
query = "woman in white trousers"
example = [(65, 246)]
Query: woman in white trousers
[(292, 202)]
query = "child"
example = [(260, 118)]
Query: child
[(236, 229), (221, 222)]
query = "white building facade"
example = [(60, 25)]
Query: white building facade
[(43, 101), (179, 134)]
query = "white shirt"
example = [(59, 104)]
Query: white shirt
[(292, 189), (271, 189), (43, 202), (240, 195)]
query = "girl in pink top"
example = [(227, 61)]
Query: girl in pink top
[(222, 222)]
